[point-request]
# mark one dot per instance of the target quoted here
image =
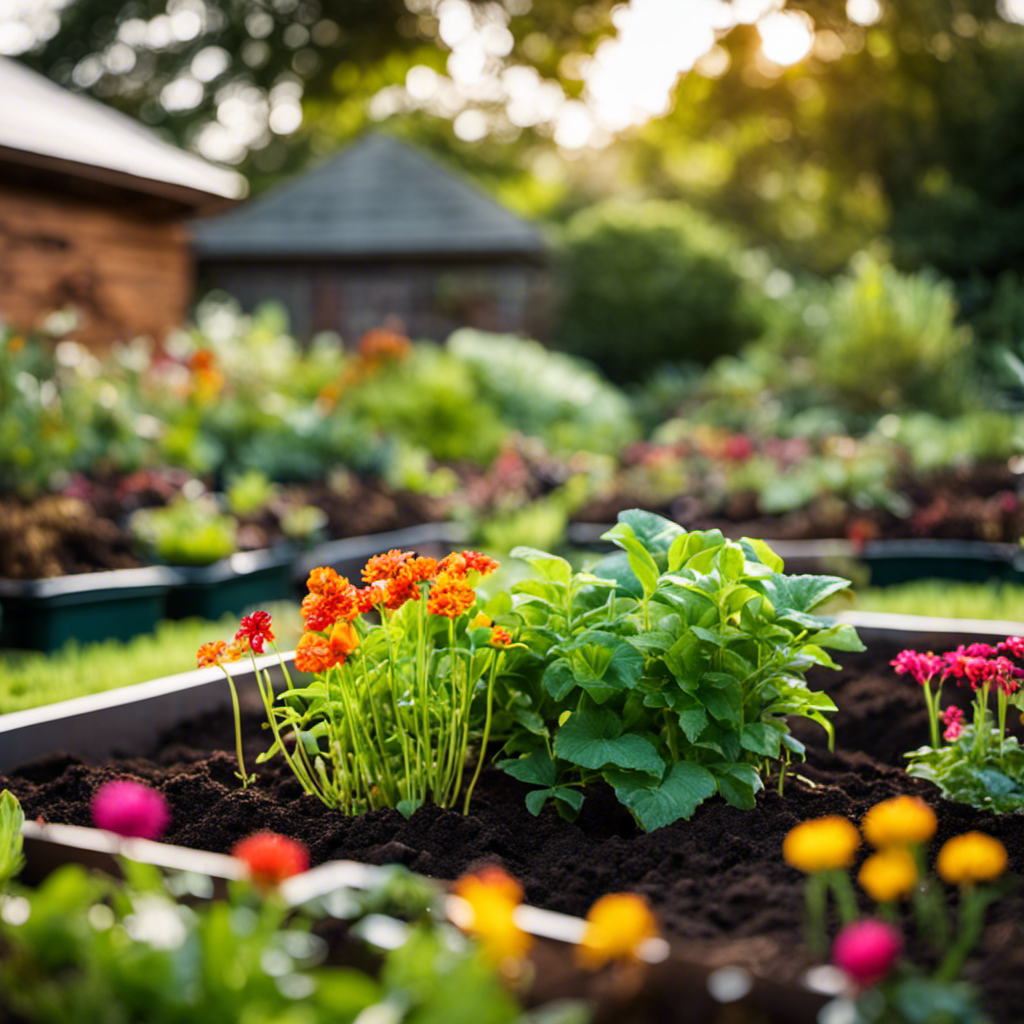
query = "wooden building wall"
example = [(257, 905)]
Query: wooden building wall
[(123, 265)]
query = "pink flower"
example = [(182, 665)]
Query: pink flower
[(130, 809), (953, 718), (1013, 644), (866, 950), (922, 667)]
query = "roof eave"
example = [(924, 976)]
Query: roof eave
[(191, 199)]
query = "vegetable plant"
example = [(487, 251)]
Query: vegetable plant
[(973, 762), (668, 671)]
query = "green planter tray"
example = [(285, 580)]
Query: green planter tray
[(231, 585), (118, 604)]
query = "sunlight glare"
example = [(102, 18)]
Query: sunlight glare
[(786, 37)]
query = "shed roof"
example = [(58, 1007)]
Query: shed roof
[(45, 125), (379, 197)]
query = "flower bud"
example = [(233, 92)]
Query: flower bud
[(866, 950)]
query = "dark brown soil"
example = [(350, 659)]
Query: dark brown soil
[(717, 882), (981, 502)]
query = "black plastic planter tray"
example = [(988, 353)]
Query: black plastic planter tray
[(231, 585), (348, 555), (119, 604)]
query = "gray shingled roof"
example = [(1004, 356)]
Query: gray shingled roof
[(378, 197), (41, 119)]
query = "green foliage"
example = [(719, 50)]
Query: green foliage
[(249, 492), (651, 283), (29, 679), (1004, 601), (82, 947), (186, 532), (891, 341), (11, 820), (431, 399), (547, 394), (669, 671), (993, 782)]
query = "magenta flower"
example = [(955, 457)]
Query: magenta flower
[(921, 667), (866, 950), (130, 809), (953, 719)]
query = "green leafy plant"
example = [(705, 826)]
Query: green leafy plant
[(668, 671), (973, 762), (11, 820), (187, 532)]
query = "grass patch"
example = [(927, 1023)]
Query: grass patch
[(28, 679), (941, 598)]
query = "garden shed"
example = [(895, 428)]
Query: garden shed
[(93, 213), (381, 230)]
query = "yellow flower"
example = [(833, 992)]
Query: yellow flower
[(480, 621), (617, 925), (888, 875), (493, 896), (821, 844), (901, 821), (971, 857)]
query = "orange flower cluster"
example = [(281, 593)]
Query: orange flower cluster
[(377, 348), (216, 652), (317, 653), (207, 380)]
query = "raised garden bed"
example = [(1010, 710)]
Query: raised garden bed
[(717, 882)]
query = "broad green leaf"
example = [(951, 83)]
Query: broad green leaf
[(559, 680), (551, 567), (729, 561), (806, 592), (817, 655), (530, 721), (738, 783), (537, 768), (693, 721), (760, 738), (655, 802), (759, 551), (704, 561), (722, 704), (839, 638), (655, 533), (615, 567), (641, 562), (550, 594), (654, 641), (686, 660), (537, 798), (593, 738)]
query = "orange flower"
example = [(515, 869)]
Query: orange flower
[(482, 564), (421, 569), (385, 566), (450, 596), (325, 580), (343, 640), (313, 653), (617, 925), (372, 596), (238, 649), (453, 564), (500, 637), (322, 608), (211, 653), (271, 858), (383, 345)]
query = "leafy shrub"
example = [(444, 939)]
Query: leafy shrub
[(547, 394), (669, 672), (187, 532), (891, 341), (651, 283)]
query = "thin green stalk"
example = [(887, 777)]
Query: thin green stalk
[(487, 732), (971, 919), (236, 712), (307, 783)]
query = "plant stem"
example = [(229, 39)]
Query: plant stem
[(237, 713), (487, 732)]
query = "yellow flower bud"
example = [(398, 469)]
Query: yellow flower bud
[(480, 621), (617, 925), (971, 857), (888, 875), (901, 821), (821, 844), (493, 896)]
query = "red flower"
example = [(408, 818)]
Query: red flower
[(921, 667), (256, 629), (1013, 644), (271, 858)]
